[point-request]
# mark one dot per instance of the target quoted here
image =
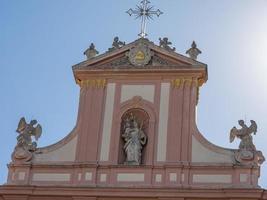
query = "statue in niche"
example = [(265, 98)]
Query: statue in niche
[(247, 152), (25, 146), (135, 139)]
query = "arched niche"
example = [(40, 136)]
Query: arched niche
[(142, 118), (144, 111)]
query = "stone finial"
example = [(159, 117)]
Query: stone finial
[(91, 51), (193, 52), (247, 153), (116, 44), (165, 44)]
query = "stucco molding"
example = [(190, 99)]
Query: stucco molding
[(106, 56), (60, 143), (137, 102), (139, 193), (212, 147)]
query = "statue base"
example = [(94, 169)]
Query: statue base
[(249, 157), (131, 163)]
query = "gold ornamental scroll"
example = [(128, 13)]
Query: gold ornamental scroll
[(93, 83), (179, 82)]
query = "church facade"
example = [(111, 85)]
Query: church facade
[(136, 136)]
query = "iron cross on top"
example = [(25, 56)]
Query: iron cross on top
[(145, 12)]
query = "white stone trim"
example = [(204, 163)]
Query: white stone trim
[(147, 92), (182, 177), (103, 177), (88, 176), (202, 154), (130, 177), (212, 178), (107, 126), (79, 176), (50, 177), (163, 121), (21, 176), (243, 178), (65, 153), (173, 177), (158, 178)]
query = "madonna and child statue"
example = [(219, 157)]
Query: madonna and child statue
[(135, 139)]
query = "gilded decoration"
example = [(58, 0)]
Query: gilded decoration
[(140, 55), (93, 83), (200, 81), (179, 82), (176, 83)]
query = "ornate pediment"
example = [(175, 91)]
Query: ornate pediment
[(141, 54), (124, 62)]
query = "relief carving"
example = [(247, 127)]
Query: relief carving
[(123, 61), (140, 55)]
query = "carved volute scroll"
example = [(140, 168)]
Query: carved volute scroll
[(133, 131)]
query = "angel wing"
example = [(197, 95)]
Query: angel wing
[(253, 127), (233, 134), (37, 132), (21, 126)]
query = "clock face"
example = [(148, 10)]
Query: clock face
[(140, 55)]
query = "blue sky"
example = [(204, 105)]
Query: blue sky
[(41, 39)]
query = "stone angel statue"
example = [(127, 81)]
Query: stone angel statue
[(165, 43), (247, 152), (116, 44), (244, 134), (26, 147), (26, 132)]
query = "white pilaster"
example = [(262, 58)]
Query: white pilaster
[(163, 121), (109, 106)]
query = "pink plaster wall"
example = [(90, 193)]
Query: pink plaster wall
[(181, 128), (90, 116)]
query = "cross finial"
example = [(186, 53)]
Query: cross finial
[(145, 12)]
